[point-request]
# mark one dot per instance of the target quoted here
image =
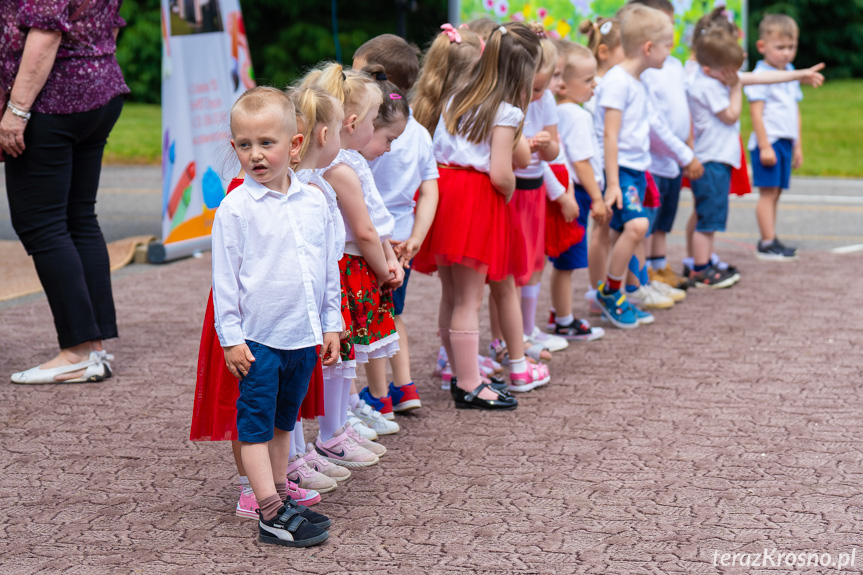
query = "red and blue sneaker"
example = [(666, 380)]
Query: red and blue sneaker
[(382, 404), (405, 398)]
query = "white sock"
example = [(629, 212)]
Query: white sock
[(354, 400), (298, 440), (243, 480), (518, 365), (564, 320), (689, 262)]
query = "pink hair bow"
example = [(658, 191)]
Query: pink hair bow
[(451, 32)]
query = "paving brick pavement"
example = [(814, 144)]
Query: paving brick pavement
[(741, 431)]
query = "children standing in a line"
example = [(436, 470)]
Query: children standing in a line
[(776, 144), (623, 128), (273, 264), (407, 170)]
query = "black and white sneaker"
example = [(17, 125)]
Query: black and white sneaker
[(714, 278), (775, 252), (290, 529), (313, 517)]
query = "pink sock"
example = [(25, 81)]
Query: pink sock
[(446, 342), (333, 410), (465, 349), (529, 295)]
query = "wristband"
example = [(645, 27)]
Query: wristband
[(23, 114)]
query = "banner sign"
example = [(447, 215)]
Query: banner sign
[(205, 66), (561, 18)]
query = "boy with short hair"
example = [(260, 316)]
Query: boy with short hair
[(406, 177), (775, 144), (623, 131)]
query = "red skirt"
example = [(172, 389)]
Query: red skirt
[(740, 184), (471, 227), (559, 235), (651, 193), (214, 415), (528, 207)]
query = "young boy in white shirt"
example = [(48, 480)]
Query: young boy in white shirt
[(775, 144), (623, 131), (276, 295)]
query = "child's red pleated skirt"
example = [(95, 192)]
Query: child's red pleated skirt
[(471, 227), (559, 235), (371, 310), (214, 415), (528, 206)]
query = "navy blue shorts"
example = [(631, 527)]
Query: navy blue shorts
[(711, 197), (400, 293), (633, 186), (273, 390), (575, 258), (669, 198), (779, 174), (652, 214)]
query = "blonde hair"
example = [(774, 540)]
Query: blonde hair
[(482, 27), (445, 65), (781, 24), (595, 37), (353, 89), (260, 98), (548, 50), (717, 48), (503, 74), (641, 24), (316, 108), (573, 54)]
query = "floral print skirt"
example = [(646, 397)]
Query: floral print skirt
[(371, 329)]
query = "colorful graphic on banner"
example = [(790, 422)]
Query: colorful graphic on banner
[(562, 17), (205, 67)]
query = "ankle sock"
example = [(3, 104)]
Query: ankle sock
[(642, 275), (270, 505), (518, 365), (631, 288), (282, 490), (612, 284), (529, 295), (657, 262), (564, 320), (689, 262), (465, 349), (353, 400), (700, 268), (243, 481)]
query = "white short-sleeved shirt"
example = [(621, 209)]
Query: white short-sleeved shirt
[(670, 119), (539, 114), (455, 150), (399, 173), (381, 218), (314, 178), (780, 106), (715, 141), (620, 91), (579, 140), (590, 105)]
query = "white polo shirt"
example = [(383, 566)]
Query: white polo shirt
[(780, 106), (620, 91), (579, 140), (715, 141), (670, 119)]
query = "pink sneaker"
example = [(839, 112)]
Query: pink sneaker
[(446, 377), (537, 374), (441, 361), (307, 497), (489, 366), (342, 450), (368, 444), (247, 506), (300, 473), (321, 465)]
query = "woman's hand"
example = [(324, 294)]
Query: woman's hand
[(12, 133)]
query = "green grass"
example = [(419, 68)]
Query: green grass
[(832, 124), (135, 138)]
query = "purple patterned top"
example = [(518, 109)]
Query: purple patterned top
[(86, 75)]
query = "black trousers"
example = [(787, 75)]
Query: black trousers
[(52, 200)]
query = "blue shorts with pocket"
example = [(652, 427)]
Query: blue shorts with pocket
[(273, 390), (779, 174), (400, 293), (633, 186), (669, 198), (575, 258), (711, 197)]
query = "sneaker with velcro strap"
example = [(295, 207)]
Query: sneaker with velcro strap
[(290, 529), (314, 517)]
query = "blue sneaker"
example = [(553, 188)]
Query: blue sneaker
[(405, 398), (641, 316), (616, 309), (382, 404)]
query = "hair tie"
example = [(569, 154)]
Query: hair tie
[(502, 30), (605, 28), (463, 26), (395, 96), (451, 33), (344, 78), (481, 44), (381, 77), (540, 33)]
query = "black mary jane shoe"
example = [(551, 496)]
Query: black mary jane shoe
[(497, 384), (470, 400)]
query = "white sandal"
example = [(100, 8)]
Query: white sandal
[(94, 370)]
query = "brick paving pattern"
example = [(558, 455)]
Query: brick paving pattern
[(741, 430)]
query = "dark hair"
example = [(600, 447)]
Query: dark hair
[(399, 59), (394, 104), (661, 5)]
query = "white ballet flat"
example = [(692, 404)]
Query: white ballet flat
[(104, 357), (94, 371)]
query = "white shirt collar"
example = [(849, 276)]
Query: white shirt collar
[(258, 190)]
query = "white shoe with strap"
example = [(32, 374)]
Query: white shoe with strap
[(94, 371)]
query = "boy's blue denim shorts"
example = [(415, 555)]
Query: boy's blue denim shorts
[(400, 293), (273, 390), (633, 186), (575, 258), (669, 198), (779, 174), (711, 197)]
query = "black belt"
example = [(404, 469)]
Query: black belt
[(528, 183)]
